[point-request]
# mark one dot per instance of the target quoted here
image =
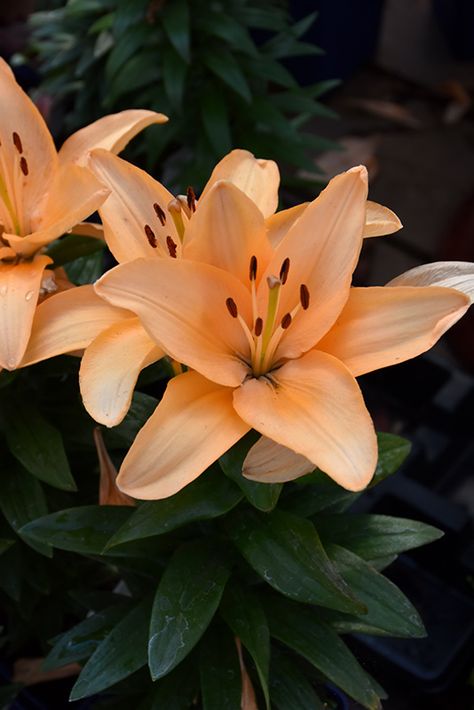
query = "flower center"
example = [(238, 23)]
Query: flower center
[(11, 187), (266, 334), (182, 204)]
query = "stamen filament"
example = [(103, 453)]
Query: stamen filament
[(174, 208), (274, 285)]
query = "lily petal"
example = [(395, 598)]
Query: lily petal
[(380, 221), (19, 290), (89, 229), (182, 305), (69, 321), (111, 132), (383, 326), (109, 494), (280, 223), (450, 274), (258, 178), (74, 195), (226, 231), (192, 426), (110, 369), (323, 247), (130, 208), (269, 462), (314, 406)]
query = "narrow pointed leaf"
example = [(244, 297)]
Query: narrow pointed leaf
[(22, 499), (219, 670), (186, 600), (222, 63), (176, 21), (290, 689)]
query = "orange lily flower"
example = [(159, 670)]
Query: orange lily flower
[(43, 194), (274, 339)]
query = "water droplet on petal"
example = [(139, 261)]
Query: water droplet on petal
[(3, 291), (29, 295)]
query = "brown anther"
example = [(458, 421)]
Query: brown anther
[(258, 327), (191, 198), (286, 321), (253, 268), (160, 213), (150, 235), (17, 142), (172, 247), (23, 166), (285, 268), (304, 297), (232, 307)]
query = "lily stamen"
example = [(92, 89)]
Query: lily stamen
[(234, 312), (151, 236), (191, 199), (285, 268), (160, 213), (175, 210)]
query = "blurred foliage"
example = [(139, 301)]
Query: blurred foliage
[(216, 69)]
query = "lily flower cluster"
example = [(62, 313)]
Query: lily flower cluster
[(254, 307)]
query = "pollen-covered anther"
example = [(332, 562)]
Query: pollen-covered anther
[(160, 213), (253, 268), (191, 199), (172, 247), (150, 235), (24, 166), (17, 142), (285, 268), (232, 307), (286, 321), (258, 327), (304, 297)]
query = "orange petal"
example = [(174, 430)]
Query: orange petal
[(226, 231), (248, 699), (379, 220), (89, 229), (69, 321), (182, 305), (110, 369), (258, 178), (280, 223), (19, 290), (193, 425), (23, 135), (314, 406), (111, 132), (450, 274), (130, 208), (383, 326), (323, 247), (270, 462), (109, 494), (74, 195)]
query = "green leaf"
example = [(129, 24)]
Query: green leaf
[(263, 496), (222, 25), (300, 629), (177, 690), (186, 600), (121, 653), (390, 613), (142, 69), (38, 446), (210, 496), (177, 25), (219, 669), (393, 450), (267, 68), (86, 269), (222, 63), (242, 611), (71, 247), (289, 687), (293, 102), (372, 536), (82, 640), (175, 71), (127, 44), (215, 119), (22, 499), (287, 552), (123, 435), (84, 529)]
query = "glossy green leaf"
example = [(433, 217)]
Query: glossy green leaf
[(141, 409), (290, 689), (215, 119), (175, 71), (71, 247), (372, 536), (301, 629), (177, 25), (263, 496), (186, 600), (86, 269), (390, 613), (84, 529), (210, 496), (120, 654), (243, 612), (222, 63), (393, 450), (82, 640), (38, 446), (22, 499), (287, 552), (219, 670)]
